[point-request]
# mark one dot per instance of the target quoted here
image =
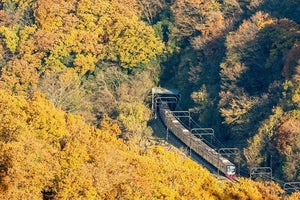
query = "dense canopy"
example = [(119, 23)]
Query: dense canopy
[(75, 82)]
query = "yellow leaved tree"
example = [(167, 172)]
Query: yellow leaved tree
[(46, 153)]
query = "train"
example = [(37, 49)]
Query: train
[(194, 143)]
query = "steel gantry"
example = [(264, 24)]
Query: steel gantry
[(160, 95), (265, 173), (291, 187), (204, 132)]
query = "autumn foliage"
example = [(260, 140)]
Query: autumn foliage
[(46, 153), (75, 77)]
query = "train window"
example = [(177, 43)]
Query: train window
[(230, 170)]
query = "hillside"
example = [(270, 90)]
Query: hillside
[(48, 154), (75, 82)]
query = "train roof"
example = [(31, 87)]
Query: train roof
[(225, 161), (160, 90)]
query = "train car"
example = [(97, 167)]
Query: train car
[(195, 143)]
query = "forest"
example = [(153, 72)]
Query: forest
[(75, 95)]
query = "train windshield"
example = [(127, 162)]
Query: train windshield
[(231, 170)]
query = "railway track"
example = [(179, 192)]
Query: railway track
[(160, 131), (170, 128), (195, 143)]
